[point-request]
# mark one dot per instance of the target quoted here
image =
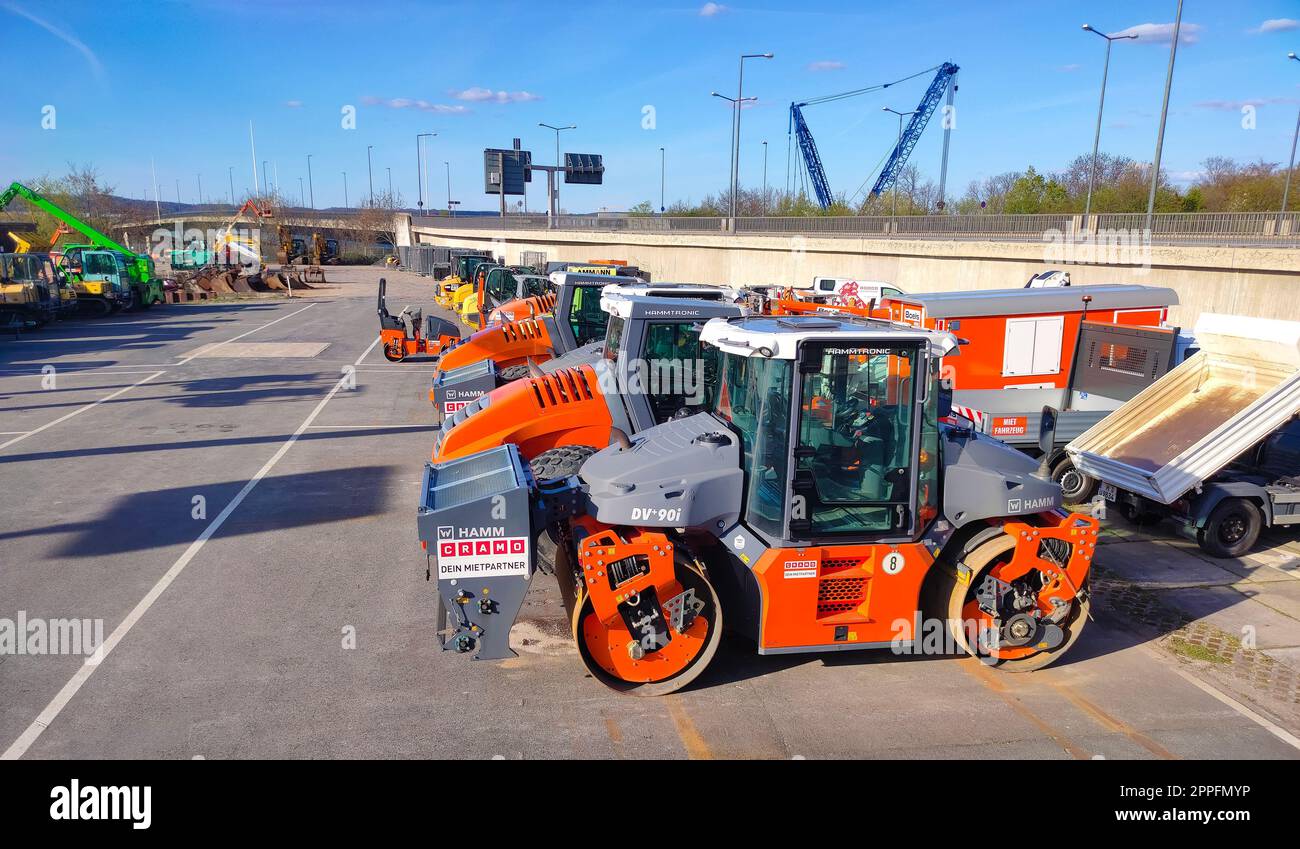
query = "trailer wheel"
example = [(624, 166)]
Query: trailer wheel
[(513, 373), (560, 462), (1076, 487), (965, 618), (1232, 529)]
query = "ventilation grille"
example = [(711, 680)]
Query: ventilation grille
[(1125, 359), (525, 328), (566, 386), (840, 564), (840, 595)]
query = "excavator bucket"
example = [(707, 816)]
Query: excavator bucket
[(314, 276)]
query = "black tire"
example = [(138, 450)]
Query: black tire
[(1076, 487), (561, 462), (513, 373), (1232, 529)]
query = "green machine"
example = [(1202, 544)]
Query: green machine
[(104, 274)]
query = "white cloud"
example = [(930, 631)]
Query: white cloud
[(1278, 25), (422, 105), (61, 32), (826, 65), (477, 94), (1069, 68), (293, 104), (1164, 33), (708, 10)]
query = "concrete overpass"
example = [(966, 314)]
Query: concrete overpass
[(1247, 268)]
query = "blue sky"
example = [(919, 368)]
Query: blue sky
[(179, 82)]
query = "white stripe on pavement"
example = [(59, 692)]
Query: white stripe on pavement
[(207, 349), (51, 712), (80, 410)]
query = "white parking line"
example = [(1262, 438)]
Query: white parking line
[(51, 712), (206, 349), (80, 410)]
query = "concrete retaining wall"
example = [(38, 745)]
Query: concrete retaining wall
[(1247, 281)]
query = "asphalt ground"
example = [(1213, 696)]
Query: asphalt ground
[(244, 526)]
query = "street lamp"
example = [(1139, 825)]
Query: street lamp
[(422, 178), (735, 108), (553, 208), (200, 176), (738, 104), (370, 173), (901, 116), (1096, 139), (663, 170), (1286, 187), (450, 214), (301, 192), (311, 190), (345, 190), (765, 176), (1164, 114), (391, 201), (230, 172), (265, 184)]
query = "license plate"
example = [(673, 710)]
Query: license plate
[(1109, 492)]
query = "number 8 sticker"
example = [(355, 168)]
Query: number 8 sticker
[(892, 563)]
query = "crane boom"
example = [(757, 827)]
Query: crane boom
[(812, 160), (911, 135), (16, 190)]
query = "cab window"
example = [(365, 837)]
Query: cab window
[(675, 373), (854, 444), (752, 395), (100, 264), (585, 316), (536, 286), (614, 337)]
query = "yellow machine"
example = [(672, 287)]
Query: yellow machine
[(22, 245)]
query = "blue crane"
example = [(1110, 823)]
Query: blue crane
[(943, 78)]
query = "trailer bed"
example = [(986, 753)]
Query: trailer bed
[(1190, 424)]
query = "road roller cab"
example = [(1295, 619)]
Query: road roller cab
[(818, 503), (501, 353), (648, 369)]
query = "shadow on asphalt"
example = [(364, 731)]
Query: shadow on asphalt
[(219, 391), (166, 517), (198, 445)]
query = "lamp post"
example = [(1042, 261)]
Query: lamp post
[(553, 180), (200, 176), (735, 108), (301, 192), (450, 214), (1096, 138), (370, 173), (1164, 114), (390, 186), (901, 116), (311, 191), (345, 190), (739, 104), (1286, 186), (421, 176), (765, 176), (230, 172), (264, 182), (663, 171)]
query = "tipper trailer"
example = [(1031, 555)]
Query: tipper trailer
[(1083, 350), (1213, 444), (817, 504)]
